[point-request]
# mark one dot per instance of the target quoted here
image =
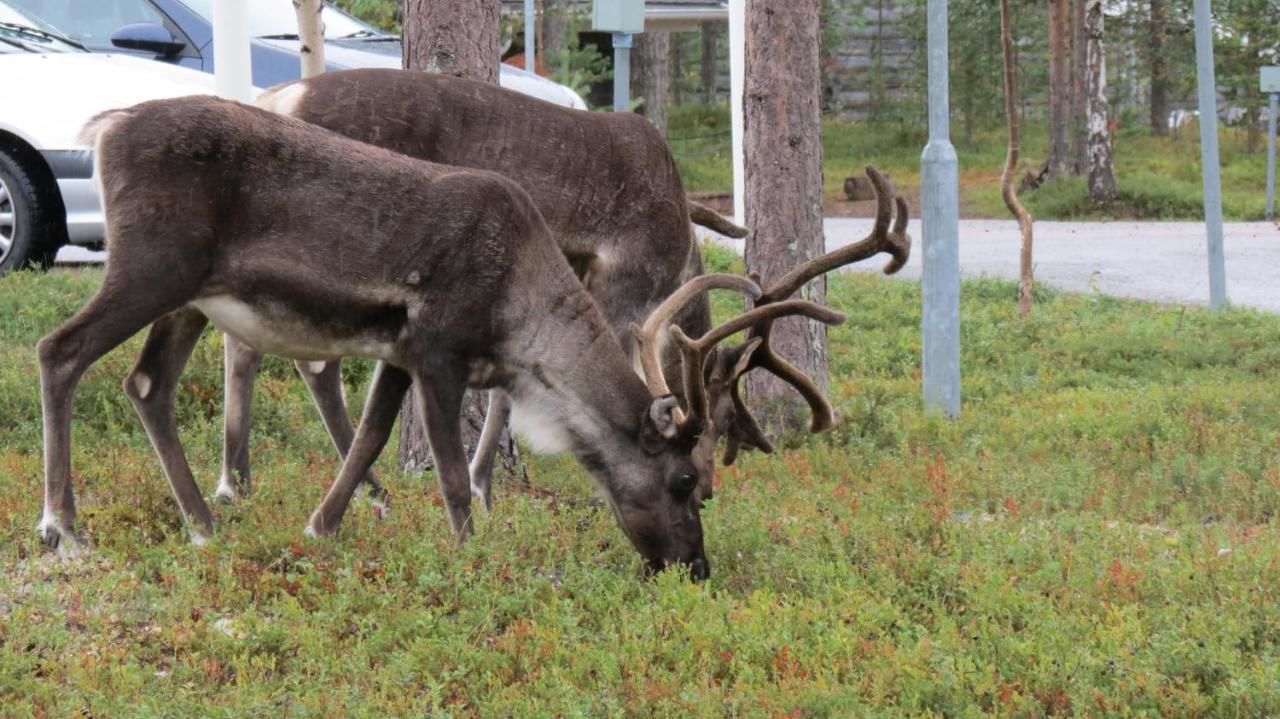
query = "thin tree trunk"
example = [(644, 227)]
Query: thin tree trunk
[(457, 37), (1102, 179), (1159, 71), (310, 35), (1026, 285), (783, 143), (555, 36), (677, 69), (710, 65), (1079, 91), (1059, 88), (650, 75), (453, 37)]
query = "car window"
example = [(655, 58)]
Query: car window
[(90, 21), (276, 17)]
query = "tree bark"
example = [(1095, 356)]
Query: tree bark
[(676, 66), (453, 37), (1059, 88), (555, 35), (1079, 91), (457, 37), (1159, 70), (1102, 179), (1026, 285), (651, 77), (710, 61), (783, 143), (310, 35)]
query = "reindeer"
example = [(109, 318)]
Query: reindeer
[(606, 185), (210, 210)]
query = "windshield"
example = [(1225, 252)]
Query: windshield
[(16, 33), (276, 17)]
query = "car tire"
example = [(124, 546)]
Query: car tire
[(23, 216)]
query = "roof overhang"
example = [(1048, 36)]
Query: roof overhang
[(660, 16)]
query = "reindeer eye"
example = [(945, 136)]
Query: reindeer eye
[(683, 485)]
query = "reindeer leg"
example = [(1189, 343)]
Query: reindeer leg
[(240, 369), (440, 402), (109, 319), (150, 387), (324, 380), (481, 469), (380, 410)]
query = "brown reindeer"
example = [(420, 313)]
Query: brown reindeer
[(605, 183), (224, 212)]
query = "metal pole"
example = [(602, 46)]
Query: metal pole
[(737, 83), (622, 71), (1271, 158), (1209, 154), (940, 193), (232, 73), (530, 19)]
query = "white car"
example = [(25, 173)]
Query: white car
[(52, 87)]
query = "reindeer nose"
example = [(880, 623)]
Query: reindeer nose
[(699, 569)]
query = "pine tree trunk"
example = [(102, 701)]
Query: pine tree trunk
[(454, 37), (1159, 71), (676, 67), (555, 36), (1079, 91), (710, 65), (783, 143), (458, 37), (650, 76), (1059, 89), (1026, 284), (310, 35), (1102, 179)]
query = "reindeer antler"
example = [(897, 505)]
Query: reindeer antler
[(895, 242)]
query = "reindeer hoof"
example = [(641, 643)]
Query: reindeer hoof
[(50, 537), (380, 500), (485, 495)]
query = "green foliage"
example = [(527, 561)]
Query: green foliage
[(1096, 535), (383, 14)]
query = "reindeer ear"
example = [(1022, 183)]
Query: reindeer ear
[(744, 359), (661, 417)]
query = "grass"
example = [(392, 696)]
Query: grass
[(1095, 536), (1159, 177)]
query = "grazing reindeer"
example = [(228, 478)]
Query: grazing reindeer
[(605, 183), (224, 212)]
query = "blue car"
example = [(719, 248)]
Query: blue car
[(181, 32)]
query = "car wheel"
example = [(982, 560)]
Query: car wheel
[(22, 216)]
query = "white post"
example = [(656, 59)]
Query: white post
[(737, 83), (530, 19), (232, 73), (940, 194), (1209, 154)]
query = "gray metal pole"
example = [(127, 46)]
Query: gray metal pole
[(1271, 158), (940, 193), (621, 71), (530, 42), (1209, 154)]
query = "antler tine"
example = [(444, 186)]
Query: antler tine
[(647, 339), (896, 243), (694, 352)]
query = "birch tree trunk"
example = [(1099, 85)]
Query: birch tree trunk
[(1059, 88), (1026, 283), (710, 56), (453, 37), (457, 37), (783, 143), (310, 35), (1159, 71), (1079, 91), (1102, 179), (651, 77)]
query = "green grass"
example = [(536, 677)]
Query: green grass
[(1159, 177), (1095, 536)]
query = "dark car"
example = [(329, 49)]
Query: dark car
[(181, 32)]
